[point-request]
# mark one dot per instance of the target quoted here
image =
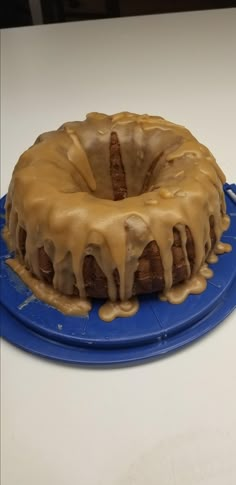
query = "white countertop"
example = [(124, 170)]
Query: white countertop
[(172, 421)]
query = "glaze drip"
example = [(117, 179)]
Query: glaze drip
[(111, 310), (60, 202), (66, 304)]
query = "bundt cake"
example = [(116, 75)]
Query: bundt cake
[(113, 207)]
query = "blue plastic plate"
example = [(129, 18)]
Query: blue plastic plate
[(156, 329)]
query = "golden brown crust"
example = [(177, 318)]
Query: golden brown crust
[(45, 266), (21, 241), (117, 171)]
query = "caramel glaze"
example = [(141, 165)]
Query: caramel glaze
[(63, 203)]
